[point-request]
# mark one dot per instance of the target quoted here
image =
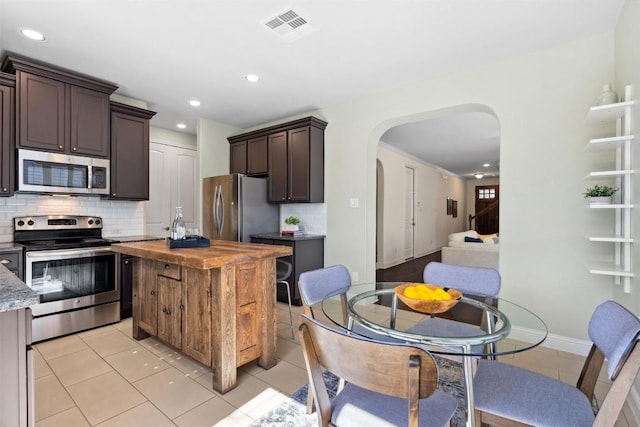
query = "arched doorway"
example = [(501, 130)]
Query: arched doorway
[(434, 183)]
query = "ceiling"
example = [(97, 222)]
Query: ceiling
[(166, 52), (464, 143)]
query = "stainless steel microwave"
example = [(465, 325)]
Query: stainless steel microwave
[(44, 172)]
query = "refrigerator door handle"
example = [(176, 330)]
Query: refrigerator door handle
[(218, 211)]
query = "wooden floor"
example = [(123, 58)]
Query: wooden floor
[(410, 271)]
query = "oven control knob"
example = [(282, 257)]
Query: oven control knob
[(97, 222), (90, 222), (30, 222), (20, 223)]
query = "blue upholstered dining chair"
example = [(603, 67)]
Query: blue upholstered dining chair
[(507, 395), (315, 286), (387, 384), (472, 280), (478, 281)]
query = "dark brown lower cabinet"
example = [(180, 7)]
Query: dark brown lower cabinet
[(308, 254)]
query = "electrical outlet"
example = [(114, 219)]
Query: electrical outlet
[(354, 203), (354, 276)]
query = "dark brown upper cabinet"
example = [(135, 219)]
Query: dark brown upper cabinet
[(7, 134), (290, 154), (60, 111), (129, 152), (248, 157), (296, 164)]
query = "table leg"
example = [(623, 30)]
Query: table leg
[(468, 381)]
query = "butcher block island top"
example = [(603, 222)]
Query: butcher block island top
[(220, 253), (215, 304)]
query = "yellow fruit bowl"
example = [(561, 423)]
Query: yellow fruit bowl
[(432, 301)]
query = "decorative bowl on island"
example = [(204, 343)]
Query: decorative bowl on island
[(429, 306)]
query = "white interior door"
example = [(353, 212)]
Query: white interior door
[(409, 213), (172, 182)]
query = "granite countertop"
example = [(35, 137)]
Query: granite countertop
[(278, 236), (129, 239), (10, 247), (14, 294)]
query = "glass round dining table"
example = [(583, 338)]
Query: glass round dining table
[(474, 326)]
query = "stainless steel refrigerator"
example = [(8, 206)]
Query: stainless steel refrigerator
[(235, 207)]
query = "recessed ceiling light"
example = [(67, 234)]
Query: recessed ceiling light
[(32, 34), (252, 77), (181, 126), (486, 165), (194, 103)]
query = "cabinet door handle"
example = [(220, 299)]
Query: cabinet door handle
[(153, 292), (167, 266), (74, 148), (181, 307), (60, 147)]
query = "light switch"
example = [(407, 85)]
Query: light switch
[(355, 203)]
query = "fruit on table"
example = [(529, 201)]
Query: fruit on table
[(424, 292)]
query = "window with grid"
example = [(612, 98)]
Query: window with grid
[(486, 193)]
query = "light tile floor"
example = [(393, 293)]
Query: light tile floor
[(105, 378)]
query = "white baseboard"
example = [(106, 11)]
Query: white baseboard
[(634, 404), (556, 342), (581, 347)]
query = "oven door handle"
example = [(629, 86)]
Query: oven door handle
[(64, 253)]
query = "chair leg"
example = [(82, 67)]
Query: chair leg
[(284, 282), (309, 401)]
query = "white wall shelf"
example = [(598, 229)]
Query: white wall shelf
[(611, 239), (609, 143), (609, 206), (609, 174), (620, 268), (609, 112), (610, 270)]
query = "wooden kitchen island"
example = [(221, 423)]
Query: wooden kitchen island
[(215, 304)]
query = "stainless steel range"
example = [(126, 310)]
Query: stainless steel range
[(72, 268)]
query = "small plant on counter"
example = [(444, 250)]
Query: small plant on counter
[(292, 220), (599, 191)]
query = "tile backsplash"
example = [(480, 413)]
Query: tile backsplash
[(121, 218), (313, 216)]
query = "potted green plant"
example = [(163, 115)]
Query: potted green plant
[(292, 223), (599, 194)]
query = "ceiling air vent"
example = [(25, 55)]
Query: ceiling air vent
[(288, 25)]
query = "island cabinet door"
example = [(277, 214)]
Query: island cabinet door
[(145, 301), (248, 303), (170, 311), (196, 317)]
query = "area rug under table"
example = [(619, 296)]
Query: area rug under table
[(292, 413)]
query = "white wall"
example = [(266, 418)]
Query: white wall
[(540, 100), (627, 67), (431, 191), (540, 104), (627, 71)]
